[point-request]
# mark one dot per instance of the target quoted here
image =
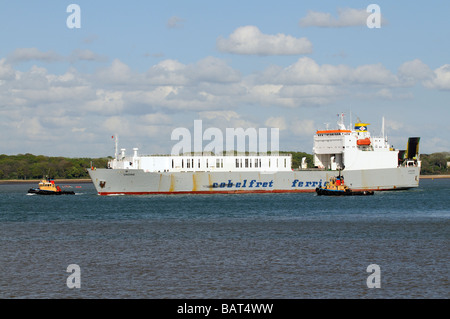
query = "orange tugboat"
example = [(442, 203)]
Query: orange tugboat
[(337, 187), (47, 186)]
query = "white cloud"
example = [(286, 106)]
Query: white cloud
[(155, 119), (249, 40), (276, 122), (225, 115), (209, 84), (6, 70), (437, 144), (56, 94), (86, 55), (373, 74), (213, 70), (175, 22), (385, 93), (167, 72), (347, 17), (392, 125), (37, 87), (170, 93), (411, 72), (268, 95), (90, 39), (311, 90), (302, 127), (33, 127), (34, 54), (441, 79), (117, 73), (30, 54), (105, 102), (132, 127), (307, 71), (415, 69)]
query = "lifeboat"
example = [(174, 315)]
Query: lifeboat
[(364, 141)]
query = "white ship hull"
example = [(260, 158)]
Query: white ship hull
[(139, 182)]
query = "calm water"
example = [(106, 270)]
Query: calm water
[(225, 246)]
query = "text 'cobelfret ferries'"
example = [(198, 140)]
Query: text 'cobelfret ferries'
[(255, 184)]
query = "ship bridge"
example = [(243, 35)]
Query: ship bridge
[(352, 148)]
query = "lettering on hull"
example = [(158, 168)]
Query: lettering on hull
[(244, 184), (252, 184)]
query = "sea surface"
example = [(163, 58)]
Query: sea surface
[(276, 246)]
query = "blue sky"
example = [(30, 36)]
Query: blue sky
[(143, 68)]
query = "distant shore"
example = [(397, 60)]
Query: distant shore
[(434, 176)]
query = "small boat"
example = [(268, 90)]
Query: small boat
[(47, 186), (337, 187)]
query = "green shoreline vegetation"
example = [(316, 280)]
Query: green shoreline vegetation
[(30, 167), (33, 167), (435, 164)]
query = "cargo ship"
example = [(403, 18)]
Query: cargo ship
[(367, 163)]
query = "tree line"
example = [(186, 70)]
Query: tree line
[(435, 164), (29, 166)]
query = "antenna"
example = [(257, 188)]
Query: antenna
[(340, 123), (351, 125), (382, 129), (116, 152)]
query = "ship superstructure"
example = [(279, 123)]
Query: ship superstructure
[(201, 163), (355, 149)]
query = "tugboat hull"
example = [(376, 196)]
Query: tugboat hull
[(348, 192), (44, 192)]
